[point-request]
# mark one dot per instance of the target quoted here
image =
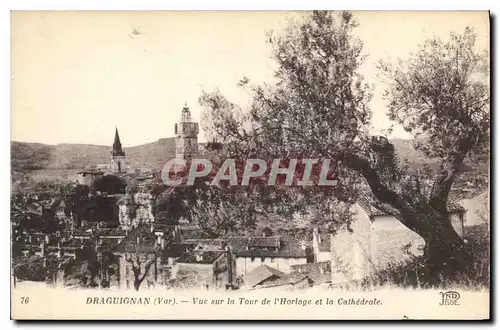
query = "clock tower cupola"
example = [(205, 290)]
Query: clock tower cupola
[(186, 135)]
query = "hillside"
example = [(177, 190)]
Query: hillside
[(38, 161), (36, 156)]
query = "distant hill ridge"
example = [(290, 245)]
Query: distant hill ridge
[(39, 161), (27, 156), (33, 156)]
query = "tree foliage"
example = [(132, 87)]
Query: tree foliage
[(110, 184), (442, 88), (319, 108)]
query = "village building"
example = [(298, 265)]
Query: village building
[(210, 266), (135, 209), (143, 249), (376, 240), (287, 282), (274, 251), (89, 177), (260, 275)]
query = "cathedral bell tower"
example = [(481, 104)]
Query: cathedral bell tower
[(186, 136), (117, 164)]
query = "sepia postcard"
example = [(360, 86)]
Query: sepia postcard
[(251, 165)]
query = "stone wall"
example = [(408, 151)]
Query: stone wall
[(144, 208), (245, 265), (137, 210)]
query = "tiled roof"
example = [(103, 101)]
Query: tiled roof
[(288, 248), (290, 278), (271, 241), (175, 250), (140, 239), (318, 272), (237, 244), (207, 244), (200, 257), (260, 274)]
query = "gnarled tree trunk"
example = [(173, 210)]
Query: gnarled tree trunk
[(445, 253)]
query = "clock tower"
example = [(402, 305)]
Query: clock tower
[(186, 135)]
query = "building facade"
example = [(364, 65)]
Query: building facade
[(186, 136), (280, 253), (376, 241)]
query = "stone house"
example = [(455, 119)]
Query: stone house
[(376, 240), (135, 209), (143, 247), (274, 251), (89, 177), (210, 266)]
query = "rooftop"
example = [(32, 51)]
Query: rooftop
[(260, 274), (290, 278), (139, 239), (200, 257), (288, 247), (271, 242)]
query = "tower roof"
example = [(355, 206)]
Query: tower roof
[(186, 113), (117, 145)]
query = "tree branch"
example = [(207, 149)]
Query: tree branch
[(444, 180), (146, 271), (383, 193)]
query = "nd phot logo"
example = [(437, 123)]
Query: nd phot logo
[(449, 298)]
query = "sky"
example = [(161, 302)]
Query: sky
[(78, 75)]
